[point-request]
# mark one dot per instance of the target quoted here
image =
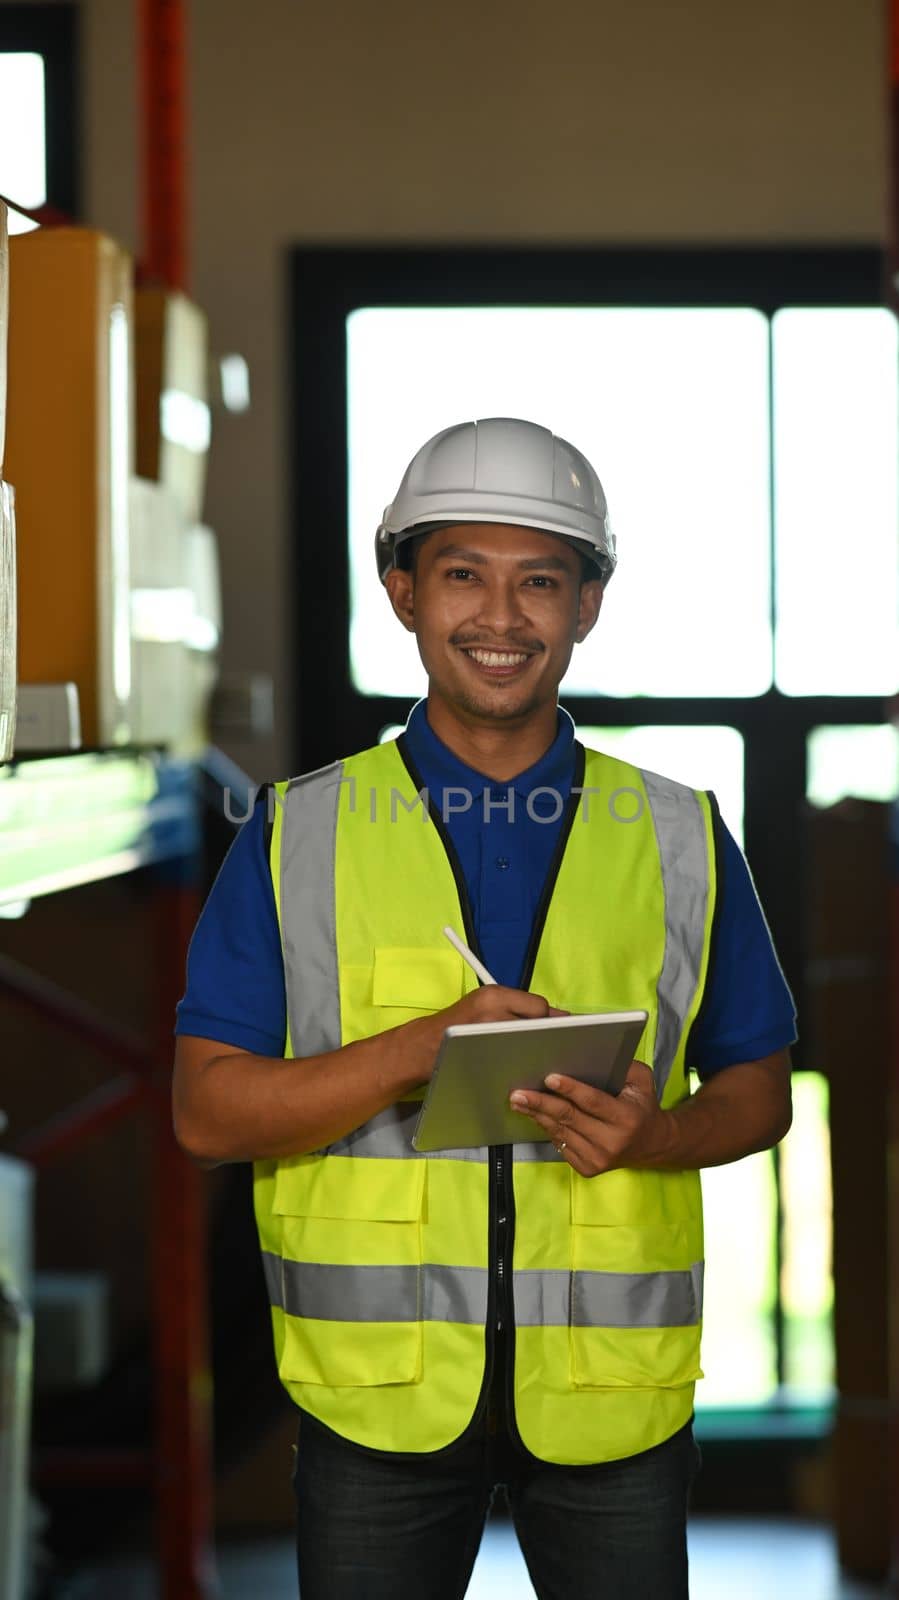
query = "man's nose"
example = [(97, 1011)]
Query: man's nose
[(500, 605)]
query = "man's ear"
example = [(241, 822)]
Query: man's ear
[(589, 602), (400, 586)]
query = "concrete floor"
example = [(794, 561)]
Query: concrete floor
[(740, 1559)]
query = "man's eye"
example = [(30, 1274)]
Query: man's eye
[(541, 579), (460, 572)]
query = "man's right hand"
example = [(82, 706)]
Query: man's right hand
[(416, 1043), (232, 1105)]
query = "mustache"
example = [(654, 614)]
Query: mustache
[(531, 646)]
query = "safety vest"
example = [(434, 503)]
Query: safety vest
[(387, 1269)]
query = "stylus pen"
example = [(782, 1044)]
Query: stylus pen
[(469, 956)]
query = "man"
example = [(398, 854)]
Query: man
[(526, 1315)]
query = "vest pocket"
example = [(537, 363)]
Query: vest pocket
[(634, 1358), (350, 1270), (346, 1188), (413, 978), (635, 1305), (397, 986)]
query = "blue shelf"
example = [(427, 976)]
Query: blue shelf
[(74, 819)]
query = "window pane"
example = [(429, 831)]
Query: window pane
[(739, 1356), (835, 501), (858, 761), (23, 168), (807, 1270), (739, 1200), (704, 757), (670, 405)]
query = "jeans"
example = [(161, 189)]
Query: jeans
[(392, 1528)]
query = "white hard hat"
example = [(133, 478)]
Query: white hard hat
[(500, 469)]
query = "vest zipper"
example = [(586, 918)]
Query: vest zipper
[(502, 1226), (499, 1309), (524, 982), (501, 1196)]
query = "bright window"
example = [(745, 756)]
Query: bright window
[(671, 406), (806, 1282), (862, 761), (703, 757), (23, 163), (836, 501), (739, 1353)]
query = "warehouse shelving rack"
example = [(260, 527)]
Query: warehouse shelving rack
[(67, 821)]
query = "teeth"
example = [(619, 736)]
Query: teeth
[(497, 658)]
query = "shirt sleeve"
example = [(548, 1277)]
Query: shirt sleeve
[(747, 1011), (235, 971)]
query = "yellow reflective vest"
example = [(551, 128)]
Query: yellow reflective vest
[(387, 1269)]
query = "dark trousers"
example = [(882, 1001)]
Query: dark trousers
[(391, 1528)]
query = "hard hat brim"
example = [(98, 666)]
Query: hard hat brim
[(387, 541)]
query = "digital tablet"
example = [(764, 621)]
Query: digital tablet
[(480, 1063)]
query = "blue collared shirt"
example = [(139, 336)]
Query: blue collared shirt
[(504, 835)]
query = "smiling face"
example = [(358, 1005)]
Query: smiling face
[(496, 610)]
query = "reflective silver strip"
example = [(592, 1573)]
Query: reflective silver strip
[(377, 1294), (271, 1268), (681, 834), (309, 937), (543, 1299), (536, 1150), (546, 1299), (454, 1294), (308, 910), (389, 1133)]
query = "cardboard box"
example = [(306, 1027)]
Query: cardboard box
[(173, 415), (161, 608), (175, 622), (7, 621), (70, 453), (4, 323), (205, 633)]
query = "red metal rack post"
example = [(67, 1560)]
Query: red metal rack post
[(163, 144), (183, 1384), (891, 296), (179, 1466), (893, 1135)]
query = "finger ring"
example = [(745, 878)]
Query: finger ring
[(562, 1146)]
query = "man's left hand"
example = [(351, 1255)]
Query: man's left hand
[(594, 1131)]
